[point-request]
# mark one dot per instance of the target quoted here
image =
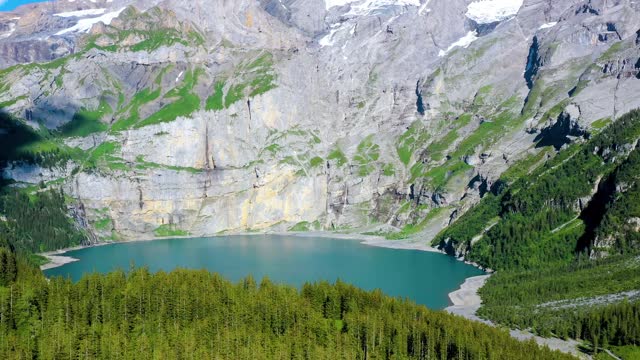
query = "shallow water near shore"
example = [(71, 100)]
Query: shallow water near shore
[(424, 277)]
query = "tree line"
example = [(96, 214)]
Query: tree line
[(188, 314), (38, 221), (533, 216)]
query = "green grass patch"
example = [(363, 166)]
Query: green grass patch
[(184, 106), (612, 51), (367, 154), (141, 164), (413, 229), (436, 149), (533, 99), (339, 157), (86, 122), (38, 260), (273, 148), (235, 93), (141, 98), (440, 175), (186, 103), (216, 100), (262, 84), (103, 156), (102, 224), (253, 79), (388, 170), (412, 140), (524, 166), (306, 226), (33, 145), (154, 39), (316, 162), (12, 101), (600, 124), (485, 134), (554, 112), (167, 230)]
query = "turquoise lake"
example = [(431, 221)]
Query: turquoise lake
[(424, 277)]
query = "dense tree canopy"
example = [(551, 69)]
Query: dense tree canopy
[(588, 191), (198, 315)]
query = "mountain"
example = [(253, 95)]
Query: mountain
[(504, 132), (217, 116)]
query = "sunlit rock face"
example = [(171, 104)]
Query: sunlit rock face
[(229, 116)]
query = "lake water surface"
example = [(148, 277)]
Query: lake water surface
[(425, 277)]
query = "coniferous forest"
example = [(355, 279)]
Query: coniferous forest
[(564, 240), (189, 314)]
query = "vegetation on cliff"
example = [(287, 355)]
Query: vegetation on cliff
[(545, 232)]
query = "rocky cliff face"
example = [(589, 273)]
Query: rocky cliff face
[(376, 115)]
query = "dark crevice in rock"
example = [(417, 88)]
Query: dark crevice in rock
[(594, 212), (206, 146), (419, 103), (140, 200), (480, 184), (572, 91), (533, 63), (558, 134), (484, 29), (587, 9), (249, 108), (611, 27)]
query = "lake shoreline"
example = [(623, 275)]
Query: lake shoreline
[(57, 258), (466, 303)]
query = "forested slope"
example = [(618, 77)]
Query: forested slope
[(548, 216), (199, 315), (565, 241)]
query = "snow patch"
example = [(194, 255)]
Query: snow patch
[(333, 3), (490, 11), (463, 42), (365, 7), (179, 75), (81, 13), (328, 40), (423, 8), (548, 25), (84, 25)]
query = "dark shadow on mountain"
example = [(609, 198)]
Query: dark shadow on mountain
[(595, 211), (15, 135), (560, 133)]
